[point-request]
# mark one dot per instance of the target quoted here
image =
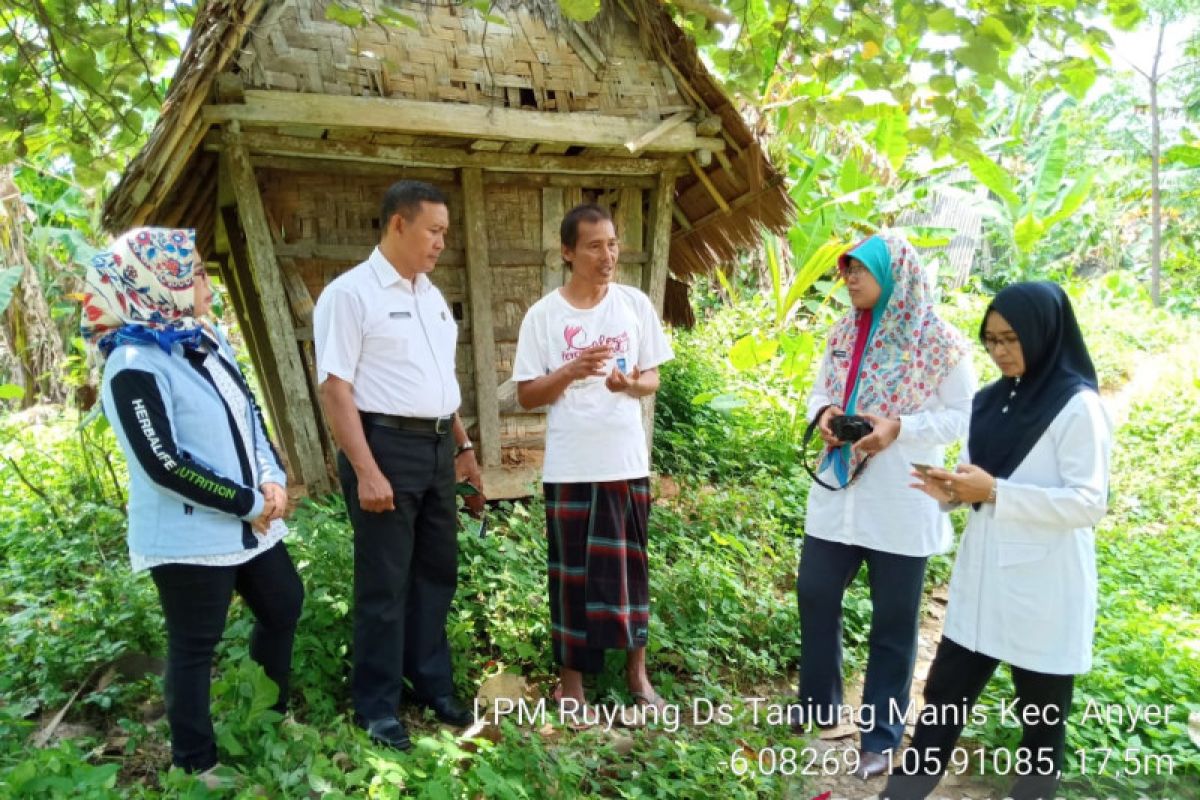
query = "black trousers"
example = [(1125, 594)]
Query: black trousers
[(826, 569), (956, 679), (405, 572), (195, 601)]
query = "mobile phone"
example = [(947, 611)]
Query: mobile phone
[(922, 468)]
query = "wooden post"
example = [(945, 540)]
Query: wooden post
[(654, 279), (241, 292), (479, 297), (654, 274), (282, 347), (629, 222), (231, 240), (552, 263)]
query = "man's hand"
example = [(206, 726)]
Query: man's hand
[(375, 492), (823, 425), (618, 381), (883, 434), (589, 364), (466, 468)]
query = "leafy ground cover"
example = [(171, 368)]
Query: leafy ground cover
[(79, 629)]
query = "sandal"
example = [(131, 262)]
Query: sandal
[(650, 698), (582, 710)]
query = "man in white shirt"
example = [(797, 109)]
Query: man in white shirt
[(590, 351), (385, 341)]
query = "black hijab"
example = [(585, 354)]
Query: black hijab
[(1009, 416)]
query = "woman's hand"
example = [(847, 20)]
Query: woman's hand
[(823, 425), (884, 432), (275, 502), (967, 484), (934, 483), (277, 496)]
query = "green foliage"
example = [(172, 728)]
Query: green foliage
[(580, 10), (818, 66), (85, 80)]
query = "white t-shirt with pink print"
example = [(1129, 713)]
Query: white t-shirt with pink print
[(592, 434)]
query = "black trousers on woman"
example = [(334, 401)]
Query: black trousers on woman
[(826, 569), (957, 677), (195, 601)]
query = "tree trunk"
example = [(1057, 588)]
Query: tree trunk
[(1155, 186), (26, 327)]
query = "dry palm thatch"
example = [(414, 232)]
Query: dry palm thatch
[(720, 209)]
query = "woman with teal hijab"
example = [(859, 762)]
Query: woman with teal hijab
[(892, 360)]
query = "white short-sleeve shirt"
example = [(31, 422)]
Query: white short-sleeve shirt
[(392, 339), (592, 434)]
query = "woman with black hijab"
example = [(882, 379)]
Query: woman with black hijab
[(1023, 590)]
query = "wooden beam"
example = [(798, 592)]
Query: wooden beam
[(299, 298), (742, 200), (326, 166), (661, 202), (241, 294), (654, 274), (629, 221), (708, 184), (406, 156), (479, 292), (636, 146), (553, 271), (552, 179), (475, 122), (680, 217), (509, 483), (281, 332)]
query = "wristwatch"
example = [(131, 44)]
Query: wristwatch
[(464, 447), (991, 498)]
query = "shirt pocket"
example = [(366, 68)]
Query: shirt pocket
[(390, 337)]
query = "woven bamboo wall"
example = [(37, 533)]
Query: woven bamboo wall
[(454, 55), (315, 211), (325, 222)]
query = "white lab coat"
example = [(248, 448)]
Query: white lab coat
[(1023, 588), (880, 510)]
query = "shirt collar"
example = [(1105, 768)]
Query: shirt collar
[(386, 274)]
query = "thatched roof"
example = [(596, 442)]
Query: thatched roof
[(243, 44)]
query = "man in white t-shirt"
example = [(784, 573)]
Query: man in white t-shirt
[(590, 351)]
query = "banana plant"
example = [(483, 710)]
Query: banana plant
[(1030, 207)]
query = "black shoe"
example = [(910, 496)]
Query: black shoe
[(447, 710), (389, 732), (871, 765), (796, 721)]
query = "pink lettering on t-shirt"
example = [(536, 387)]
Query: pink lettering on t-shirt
[(577, 341)]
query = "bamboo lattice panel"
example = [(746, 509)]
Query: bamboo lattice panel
[(454, 55)]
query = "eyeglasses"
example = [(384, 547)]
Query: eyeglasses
[(855, 271), (996, 342)]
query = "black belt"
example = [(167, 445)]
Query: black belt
[(438, 425)]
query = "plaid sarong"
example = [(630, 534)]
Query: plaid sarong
[(598, 578)]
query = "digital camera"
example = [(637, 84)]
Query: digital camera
[(849, 427)]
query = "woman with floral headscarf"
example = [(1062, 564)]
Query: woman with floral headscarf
[(892, 361), (206, 496)]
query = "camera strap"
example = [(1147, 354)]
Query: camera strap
[(808, 435)]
